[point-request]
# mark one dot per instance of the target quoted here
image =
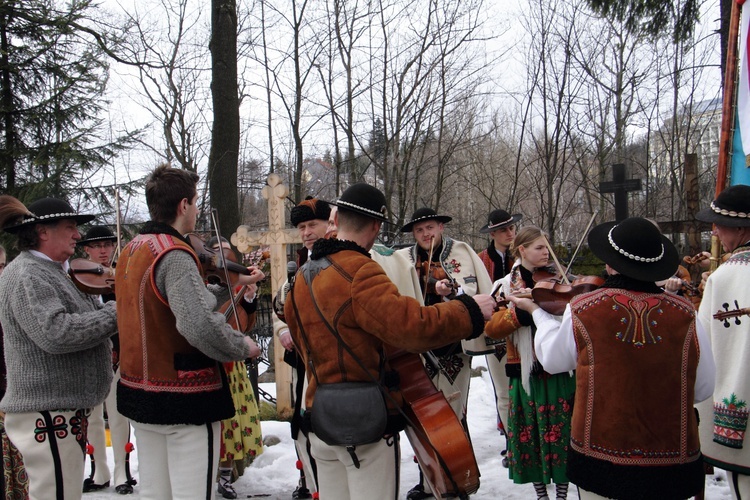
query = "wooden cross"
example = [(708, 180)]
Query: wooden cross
[(620, 186), (277, 238)]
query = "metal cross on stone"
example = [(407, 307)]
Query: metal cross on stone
[(277, 238), (620, 186)]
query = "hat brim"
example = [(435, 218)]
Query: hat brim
[(79, 219), (515, 218), (343, 205), (708, 215), (406, 228), (100, 238), (644, 271)]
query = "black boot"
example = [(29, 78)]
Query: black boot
[(225, 488)]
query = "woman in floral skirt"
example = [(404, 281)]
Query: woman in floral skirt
[(540, 403)]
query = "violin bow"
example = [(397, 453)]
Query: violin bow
[(557, 262), (580, 242), (223, 259), (427, 274)]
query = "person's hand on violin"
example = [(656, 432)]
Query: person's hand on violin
[(286, 340), (443, 287), (486, 303), (254, 349), (250, 291), (673, 284), (524, 304), (248, 279)]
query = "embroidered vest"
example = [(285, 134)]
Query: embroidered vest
[(164, 380), (637, 361)]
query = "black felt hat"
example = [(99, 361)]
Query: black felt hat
[(635, 248), (731, 208), (97, 233), (424, 214), (49, 210), (310, 209), (363, 199), (500, 218)]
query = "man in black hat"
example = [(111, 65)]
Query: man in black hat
[(99, 246), (446, 268), (497, 259), (641, 361), (724, 417), (58, 353), (341, 310), (310, 217)]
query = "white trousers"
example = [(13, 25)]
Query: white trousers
[(119, 431), (500, 382), (739, 485), (53, 447), (177, 462), (376, 478)]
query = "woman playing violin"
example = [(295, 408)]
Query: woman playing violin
[(641, 362), (540, 403)]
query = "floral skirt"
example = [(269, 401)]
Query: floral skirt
[(15, 480), (539, 428), (241, 436)]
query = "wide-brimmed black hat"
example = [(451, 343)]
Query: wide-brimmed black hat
[(310, 209), (731, 208), (363, 199), (424, 214), (97, 233), (49, 210), (498, 219), (635, 248)]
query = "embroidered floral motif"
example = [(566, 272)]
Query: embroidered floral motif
[(59, 428), (730, 421), (453, 266), (450, 367), (637, 326)]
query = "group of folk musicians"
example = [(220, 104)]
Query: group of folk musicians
[(625, 390)]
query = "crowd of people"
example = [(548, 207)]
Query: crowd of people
[(626, 391)]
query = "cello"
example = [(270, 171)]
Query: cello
[(440, 443)]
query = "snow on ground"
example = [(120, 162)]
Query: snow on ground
[(273, 476)]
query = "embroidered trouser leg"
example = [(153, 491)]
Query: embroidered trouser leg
[(178, 462), (302, 445), (499, 378), (119, 430), (454, 382), (52, 444), (376, 478), (739, 485), (98, 440)]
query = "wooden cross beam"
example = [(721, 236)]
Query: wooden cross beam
[(621, 187), (277, 238)]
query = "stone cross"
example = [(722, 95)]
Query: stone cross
[(620, 186), (277, 238)]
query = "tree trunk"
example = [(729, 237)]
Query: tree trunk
[(225, 136)]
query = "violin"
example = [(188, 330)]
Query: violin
[(430, 272), (93, 278), (212, 264), (552, 294)]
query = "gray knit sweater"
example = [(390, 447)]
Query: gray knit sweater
[(56, 338)]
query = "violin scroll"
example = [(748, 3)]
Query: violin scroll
[(735, 313)]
